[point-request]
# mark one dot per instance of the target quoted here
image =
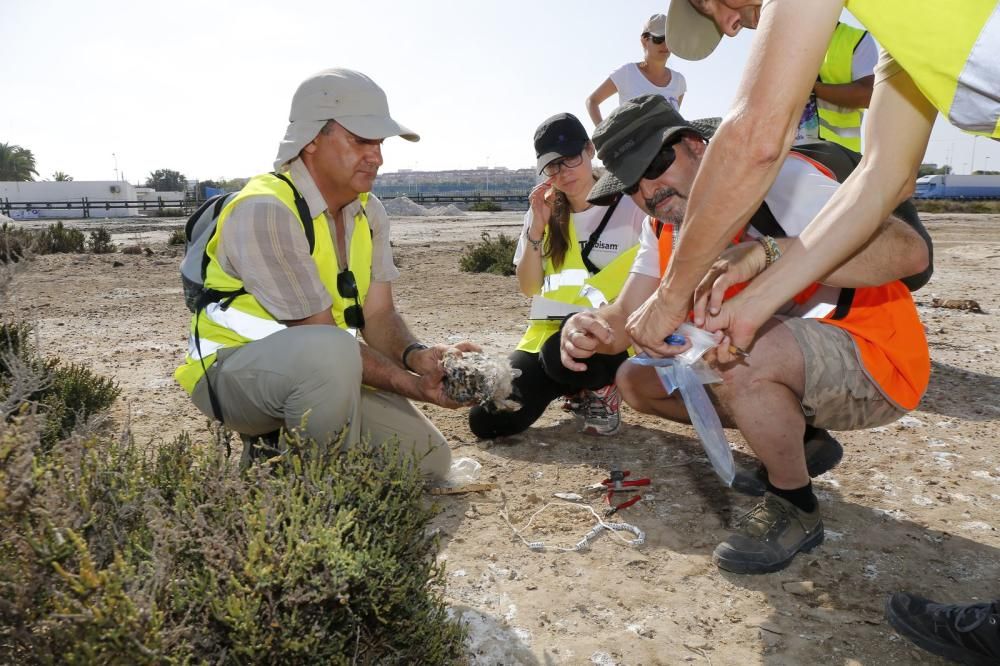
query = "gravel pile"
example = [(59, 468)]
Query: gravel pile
[(402, 206), (451, 210)]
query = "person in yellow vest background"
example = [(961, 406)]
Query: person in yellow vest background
[(299, 265), (842, 90), (571, 254), (936, 57), (844, 355)]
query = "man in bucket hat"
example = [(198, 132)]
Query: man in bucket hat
[(824, 363), (302, 266)]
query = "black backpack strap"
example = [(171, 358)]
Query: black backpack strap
[(195, 216), (303, 208), (842, 161), (592, 241)]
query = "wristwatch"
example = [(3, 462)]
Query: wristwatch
[(412, 347)]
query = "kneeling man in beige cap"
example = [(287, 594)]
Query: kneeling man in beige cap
[(302, 331)]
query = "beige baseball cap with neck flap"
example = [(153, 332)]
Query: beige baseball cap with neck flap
[(344, 95)]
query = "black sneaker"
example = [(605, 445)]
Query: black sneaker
[(768, 537), (823, 453), (963, 633)]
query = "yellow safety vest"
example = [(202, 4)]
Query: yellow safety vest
[(245, 319), (837, 123), (951, 50), (574, 284)]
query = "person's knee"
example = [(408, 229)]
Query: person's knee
[(631, 385), (436, 463)]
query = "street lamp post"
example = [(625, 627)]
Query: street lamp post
[(974, 153)]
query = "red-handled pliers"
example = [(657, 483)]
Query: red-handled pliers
[(618, 483)]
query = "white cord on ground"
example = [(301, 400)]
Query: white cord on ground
[(584, 543)]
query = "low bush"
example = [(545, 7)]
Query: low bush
[(956, 206), (15, 243), (100, 241), (65, 395), (112, 554), (485, 206), (490, 256), (58, 238), (177, 237)]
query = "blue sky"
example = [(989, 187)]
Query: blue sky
[(204, 87)]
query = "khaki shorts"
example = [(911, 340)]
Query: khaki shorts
[(839, 395), (887, 67)]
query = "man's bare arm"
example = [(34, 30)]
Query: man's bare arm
[(744, 157), (854, 95)]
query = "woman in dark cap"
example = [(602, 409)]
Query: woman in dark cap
[(571, 255)]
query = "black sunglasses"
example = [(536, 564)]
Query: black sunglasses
[(347, 287), (656, 168), (656, 39)]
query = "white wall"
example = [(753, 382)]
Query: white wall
[(74, 190)]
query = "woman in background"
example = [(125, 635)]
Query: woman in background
[(651, 76)]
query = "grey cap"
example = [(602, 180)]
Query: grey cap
[(655, 25), (350, 98), (631, 136), (690, 34)]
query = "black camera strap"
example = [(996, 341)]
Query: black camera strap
[(592, 241)]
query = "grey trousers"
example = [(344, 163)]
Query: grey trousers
[(309, 378)]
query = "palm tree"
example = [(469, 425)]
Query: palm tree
[(16, 163), (61, 177)]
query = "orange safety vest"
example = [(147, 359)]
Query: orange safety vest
[(883, 322)]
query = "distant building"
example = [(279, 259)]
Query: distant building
[(36, 196), (498, 180)]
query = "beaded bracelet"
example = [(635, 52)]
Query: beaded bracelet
[(771, 250), (534, 243)]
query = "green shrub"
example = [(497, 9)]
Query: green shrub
[(485, 206), (58, 238), (490, 256), (100, 241), (956, 206), (177, 237), (15, 242), (112, 554), (65, 394)]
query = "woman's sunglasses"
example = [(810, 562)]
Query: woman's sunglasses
[(656, 168), (347, 287), (656, 39)]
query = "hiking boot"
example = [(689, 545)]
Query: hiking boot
[(258, 448), (602, 411), (964, 633), (768, 536), (823, 453)]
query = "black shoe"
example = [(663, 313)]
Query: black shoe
[(964, 633), (258, 448), (823, 453)]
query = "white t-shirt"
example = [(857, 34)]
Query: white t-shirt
[(630, 82), (798, 194), (862, 65), (621, 232)]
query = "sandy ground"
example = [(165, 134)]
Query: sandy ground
[(912, 506)]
